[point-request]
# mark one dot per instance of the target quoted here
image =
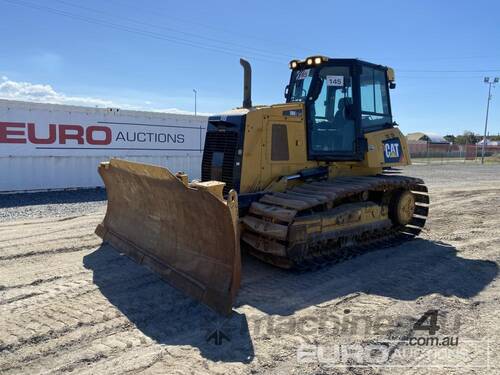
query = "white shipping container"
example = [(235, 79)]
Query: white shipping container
[(51, 146)]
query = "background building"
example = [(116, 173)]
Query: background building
[(419, 137)]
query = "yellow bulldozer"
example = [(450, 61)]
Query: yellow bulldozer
[(299, 185)]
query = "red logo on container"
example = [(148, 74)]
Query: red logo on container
[(20, 132)]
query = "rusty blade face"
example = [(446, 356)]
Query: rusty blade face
[(187, 235)]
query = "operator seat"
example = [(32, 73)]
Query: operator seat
[(340, 116), (343, 125)]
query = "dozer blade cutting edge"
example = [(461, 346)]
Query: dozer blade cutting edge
[(188, 234)]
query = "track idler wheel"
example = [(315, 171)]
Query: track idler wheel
[(402, 207)]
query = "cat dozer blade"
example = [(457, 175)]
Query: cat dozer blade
[(187, 233)]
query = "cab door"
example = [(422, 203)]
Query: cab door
[(333, 124)]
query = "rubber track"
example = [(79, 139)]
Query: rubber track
[(329, 252)]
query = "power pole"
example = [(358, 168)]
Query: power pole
[(490, 83), (195, 92)]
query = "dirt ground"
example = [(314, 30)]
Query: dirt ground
[(70, 304)]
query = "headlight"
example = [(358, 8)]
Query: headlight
[(293, 64)]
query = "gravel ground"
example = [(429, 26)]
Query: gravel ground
[(450, 175), (51, 204), (71, 304)]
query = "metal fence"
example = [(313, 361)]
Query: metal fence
[(432, 152)]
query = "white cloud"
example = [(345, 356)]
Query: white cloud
[(179, 111), (40, 93), (27, 91)]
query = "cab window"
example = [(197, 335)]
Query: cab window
[(332, 126), (301, 82), (375, 111)]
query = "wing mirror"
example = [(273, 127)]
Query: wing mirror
[(287, 88)]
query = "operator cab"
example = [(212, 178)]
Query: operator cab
[(344, 98)]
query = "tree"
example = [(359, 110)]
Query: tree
[(494, 137), (450, 138), (467, 138)]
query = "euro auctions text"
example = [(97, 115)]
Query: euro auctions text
[(36, 129), (70, 134), (439, 353)]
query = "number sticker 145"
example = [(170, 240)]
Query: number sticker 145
[(335, 81)]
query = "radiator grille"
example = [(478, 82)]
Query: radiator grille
[(225, 142)]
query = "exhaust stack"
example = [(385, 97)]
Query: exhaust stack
[(247, 83)]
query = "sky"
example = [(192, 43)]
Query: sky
[(150, 54)]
